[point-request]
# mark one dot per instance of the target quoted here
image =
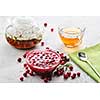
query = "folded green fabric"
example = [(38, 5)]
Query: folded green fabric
[(93, 54)]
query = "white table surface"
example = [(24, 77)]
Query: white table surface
[(10, 70)]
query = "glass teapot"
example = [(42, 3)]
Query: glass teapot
[(23, 33)]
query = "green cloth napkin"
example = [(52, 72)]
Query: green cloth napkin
[(93, 54)]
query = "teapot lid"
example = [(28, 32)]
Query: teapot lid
[(24, 28), (23, 22)]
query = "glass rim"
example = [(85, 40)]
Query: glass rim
[(61, 31)]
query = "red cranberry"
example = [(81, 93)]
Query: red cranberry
[(24, 55), (37, 64), (49, 78), (32, 74), (73, 76), (62, 54), (78, 74), (71, 68), (25, 74), (46, 80), (65, 59), (62, 62), (41, 57), (34, 60), (42, 77), (45, 24), (28, 71), (62, 69), (21, 78), (47, 47), (47, 62), (65, 76), (26, 68), (42, 43), (69, 74), (52, 29), (19, 59), (61, 72), (58, 73), (25, 65)]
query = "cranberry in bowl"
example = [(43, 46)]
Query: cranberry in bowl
[(43, 62)]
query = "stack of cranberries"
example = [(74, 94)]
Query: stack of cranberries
[(47, 64)]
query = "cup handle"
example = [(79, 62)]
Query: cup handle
[(83, 29)]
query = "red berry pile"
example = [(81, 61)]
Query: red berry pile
[(67, 72), (64, 68)]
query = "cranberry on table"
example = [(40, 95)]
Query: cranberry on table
[(32, 74), (58, 73), (62, 54), (46, 80), (78, 74), (47, 47), (28, 71), (61, 72), (25, 65), (65, 76), (19, 59), (71, 68), (52, 29), (24, 55), (45, 24), (62, 62), (42, 43), (21, 78), (25, 74), (69, 74), (26, 68), (73, 76), (49, 78)]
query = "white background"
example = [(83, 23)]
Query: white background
[(50, 91)]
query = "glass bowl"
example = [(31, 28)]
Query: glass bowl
[(42, 62)]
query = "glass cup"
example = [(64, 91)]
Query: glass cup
[(71, 36)]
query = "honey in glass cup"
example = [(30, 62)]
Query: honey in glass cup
[(71, 37)]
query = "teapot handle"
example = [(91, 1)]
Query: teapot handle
[(10, 26)]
